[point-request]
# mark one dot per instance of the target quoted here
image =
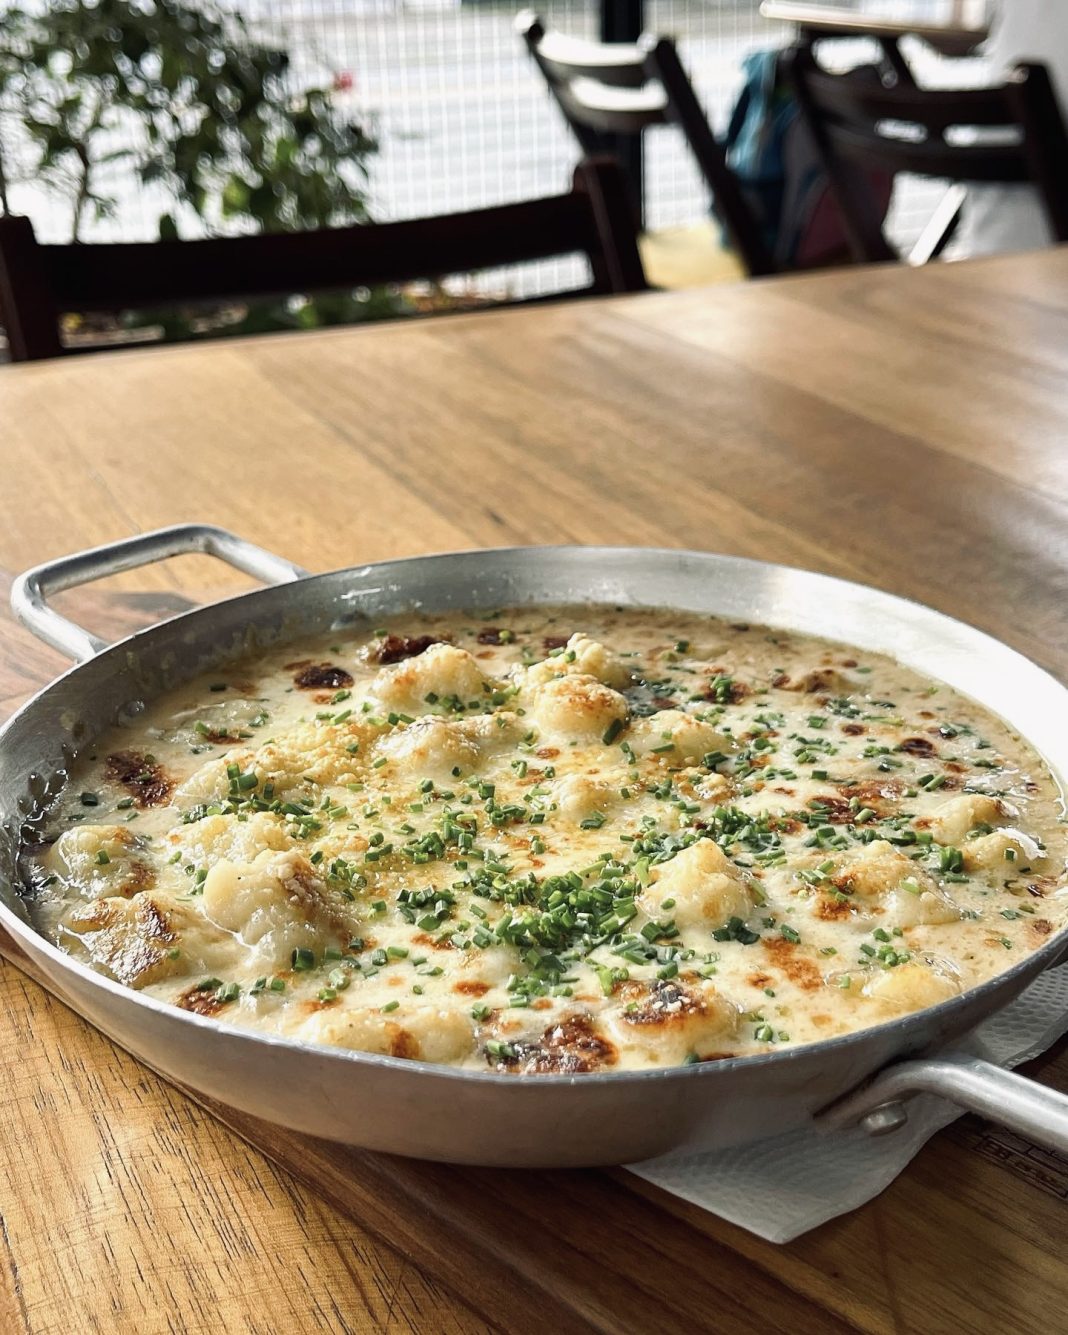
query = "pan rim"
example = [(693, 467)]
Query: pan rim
[(1012, 980)]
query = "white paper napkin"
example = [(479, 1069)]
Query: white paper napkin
[(782, 1187)]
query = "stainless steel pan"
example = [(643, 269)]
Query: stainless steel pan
[(414, 1108)]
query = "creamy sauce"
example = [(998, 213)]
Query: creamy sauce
[(555, 840)]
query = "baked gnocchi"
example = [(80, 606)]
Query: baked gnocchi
[(556, 840)]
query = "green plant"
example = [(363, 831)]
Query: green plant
[(180, 95)]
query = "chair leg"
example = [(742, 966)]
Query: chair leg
[(663, 63), (620, 264)]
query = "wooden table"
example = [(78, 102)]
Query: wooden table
[(904, 427), (954, 27)]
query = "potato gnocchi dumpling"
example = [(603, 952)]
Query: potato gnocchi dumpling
[(699, 887), (952, 821), (442, 673), (1004, 851), (578, 708), (580, 656), (427, 1033), (143, 940), (913, 986), (274, 905), (678, 737), (667, 1022), (579, 797), (884, 880), (99, 860), (554, 841)]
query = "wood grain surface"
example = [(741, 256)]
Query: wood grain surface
[(902, 427)]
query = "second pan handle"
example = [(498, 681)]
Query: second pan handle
[(1025, 1106), (30, 592)]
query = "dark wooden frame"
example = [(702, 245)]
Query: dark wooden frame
[(844, 116), (39, 283), (606, 109)]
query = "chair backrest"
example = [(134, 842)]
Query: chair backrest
[(40, 283), (620, 88), (1010, 133)]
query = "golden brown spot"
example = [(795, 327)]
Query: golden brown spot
[(143, 778), (819, 679), (552, 642), (154, 922), (308, 892), (470, 988), (318, 675), (737, 690), (396, 648), (876, 790), (829, 908), (661, 1003), (759, 980), (854, 729), (833, 810), (842, 810), (217, 736), (1038, 887), (403, 1044), (917, 746), (139, 877), (424, 939), (792, 963), (547, 752), (570, 1047), (1041, 927), (201, 1001)]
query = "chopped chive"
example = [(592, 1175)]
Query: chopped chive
[(612, 731)]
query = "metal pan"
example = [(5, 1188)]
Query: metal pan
[(463, 1116)]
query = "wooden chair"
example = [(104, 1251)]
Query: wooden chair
[(859, 124), (618, 89), (40, 283)]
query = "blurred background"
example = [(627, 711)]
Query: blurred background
[(130, 120)]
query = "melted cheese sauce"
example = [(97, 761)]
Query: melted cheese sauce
[(555, 840)]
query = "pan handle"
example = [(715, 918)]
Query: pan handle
[(30, 592), (1022, 1105)]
